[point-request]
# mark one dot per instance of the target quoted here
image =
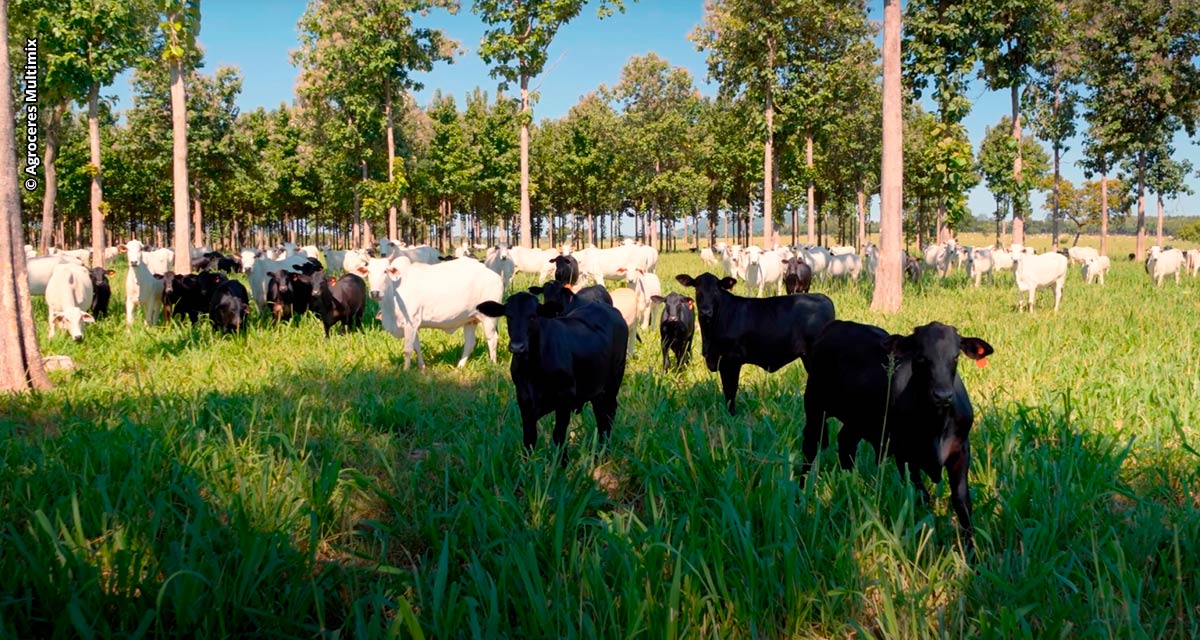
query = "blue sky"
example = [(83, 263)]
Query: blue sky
[(258, 36)]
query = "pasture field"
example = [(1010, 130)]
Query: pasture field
[(281, 484)]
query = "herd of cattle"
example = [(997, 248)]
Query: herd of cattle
[(570, 346)]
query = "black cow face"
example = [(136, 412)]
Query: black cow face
[(522, 311), (555, 297), (708, 289), (933, 350), (675, 306)]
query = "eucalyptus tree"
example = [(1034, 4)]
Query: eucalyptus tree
[(492, 133), (1167, 178), (1141, 60), (1099, 158), (448, 167), (64, 78), (179, 26), (996, 154), (940, 51), (515, 45), (659, 105), (359, 57), (591, 159), (21, 366), (790, 56), (731, 166), (887, 296)]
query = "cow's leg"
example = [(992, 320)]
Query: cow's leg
[(562, 420), (958, 466), (848, 439), (1058, 289), (468, 343), (666, 355), (605, 410), (730, 371), (50, 319), (816, 435), (130, 302), (491, 335), (529, 420)]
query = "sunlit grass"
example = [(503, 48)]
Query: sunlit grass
[(282, 484)]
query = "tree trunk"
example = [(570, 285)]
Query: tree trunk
[(812, 191), (20, 359), (769, 158), (887, 296), (391, 150), (862, 218), (1057, 174), (97, 189), (1018, 225), (1159, 234), (526, 222), (183, 257), (1104, 213), (49, 160), (197, 220), (942, 232), (1140, 251)]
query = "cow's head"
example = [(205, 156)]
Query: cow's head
[(676, 307), (708, 290), (555, 297), (933, 352), (522, 312), (133, 250), (73, 319)]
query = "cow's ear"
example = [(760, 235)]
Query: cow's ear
[(975, 348), (87, 317), (727, 283), (549, 310), (110, 272), (685, 280), (899, 345), (491, 308), (536, 290), (362, 271), (158, 276), (658, 299), (553, 260), (57, 317)]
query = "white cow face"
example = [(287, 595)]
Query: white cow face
[(72, 320), (133, 250)]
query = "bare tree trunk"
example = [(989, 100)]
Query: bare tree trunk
[(391, 150), (769, 156), (1140, 251), (812, 191), (183, 257), (862, 218), (942, 232), (49, 162), (97, 189), (197, 220), (1104, 213), (526, 222), (20, 359), (1018, 225), (887, 296), (1159, 235), (1057, 175)]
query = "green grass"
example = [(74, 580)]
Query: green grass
[(281, 484)]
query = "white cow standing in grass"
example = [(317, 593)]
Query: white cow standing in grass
[(1081, 255), (979, 262), (1095, 267), (1193, 261), (40, 269), (1164, 263), (68, 298), (763, 268), (143, 281), (498, 260), (1040, 271), (439, 296), (646, 286)]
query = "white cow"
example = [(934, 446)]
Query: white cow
[(646, 286), (375, 272), (979, 262), (763, 268), (599, 264), (419, 254), (1095, 267), (463, 251), (1164, 263), (354, 259), (846, 265), (628, 303), (1002, 260), (110, 253), (311, 251), (870, 257), (649, 258), (1193, 261), (498, 260), (1039, 271), (1080, 255), (707, 256), (68, 297), (439, 296), (732, 262), (30, 252), (841, 250), (817, 259), (535, 261), (84, 256), (143, 281), (40, 269), (940, 257), (248, 257), (263, 266)]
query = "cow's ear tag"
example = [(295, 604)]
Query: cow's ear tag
[(982, 362), (333, 281)]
